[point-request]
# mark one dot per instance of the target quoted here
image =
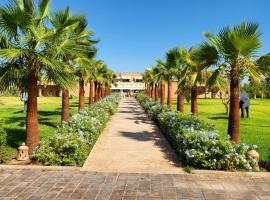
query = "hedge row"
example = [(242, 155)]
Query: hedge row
[(72, 142), (197, 143)]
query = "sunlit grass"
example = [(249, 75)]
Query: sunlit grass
[(12, 118)]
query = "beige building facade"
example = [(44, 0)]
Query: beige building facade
[(128, 83), (125, 83)]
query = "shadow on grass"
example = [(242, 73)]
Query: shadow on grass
[(48, 123), (15, 136), (218, 117), (49, 113), (13, 120)]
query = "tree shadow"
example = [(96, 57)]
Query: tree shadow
[(45, 121), (49, 113), (159, 141), (15, 136), (13, 120), (218, 117)]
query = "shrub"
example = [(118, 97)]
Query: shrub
[(3, 141), (197, 143), (73, 141)]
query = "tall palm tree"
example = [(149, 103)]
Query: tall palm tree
[(168, 70), (237, 47), (85, 69), (182, 53), (197, 60), (149, 79), (109, 79), (71, 45), (159, 72), (100, 79), (29, 53)]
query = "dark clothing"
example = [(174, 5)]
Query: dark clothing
[(244, 104)]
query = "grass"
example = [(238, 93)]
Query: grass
[(12, 118), (254, 130)]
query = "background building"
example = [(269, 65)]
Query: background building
[(128, 83), (125, 83)]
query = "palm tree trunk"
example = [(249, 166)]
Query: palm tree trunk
[(100, 92), (91, 88), (169, 98), (145, 88), (234, 118), (153, 92), (96, 91), (65, 106), (156, 92), (104, 91), (32, 132), (180, 100), (81, 95), (194, 100), (162, 92)]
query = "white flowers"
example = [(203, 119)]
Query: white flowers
[(197, 142), (72, 142)]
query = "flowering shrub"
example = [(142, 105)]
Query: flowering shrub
[(197, 143), (72, 142)]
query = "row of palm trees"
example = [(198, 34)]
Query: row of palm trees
[(36, 45), (228, 56)]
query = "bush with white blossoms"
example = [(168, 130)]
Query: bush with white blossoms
[(197, 143), (72, 142)]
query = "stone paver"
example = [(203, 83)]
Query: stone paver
[(67, 184), (131, 142)]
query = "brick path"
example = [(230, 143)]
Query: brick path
[(131, 142), (43, 184)]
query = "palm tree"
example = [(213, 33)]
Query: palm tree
[(103, 79), (236, 47), (92, 83), (71, 44), (28, 51), (148, 78), (167, 71), (196, 62), (182, 53), (109, 79), (84, 70), (159, 71)]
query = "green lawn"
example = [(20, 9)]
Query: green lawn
[(254, 130), (12, 117)]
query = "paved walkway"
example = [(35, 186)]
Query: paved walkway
[(35, 184), (132, 143)]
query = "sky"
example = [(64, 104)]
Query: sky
[(134, 33)]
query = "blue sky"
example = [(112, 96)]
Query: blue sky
[(134, 33)]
